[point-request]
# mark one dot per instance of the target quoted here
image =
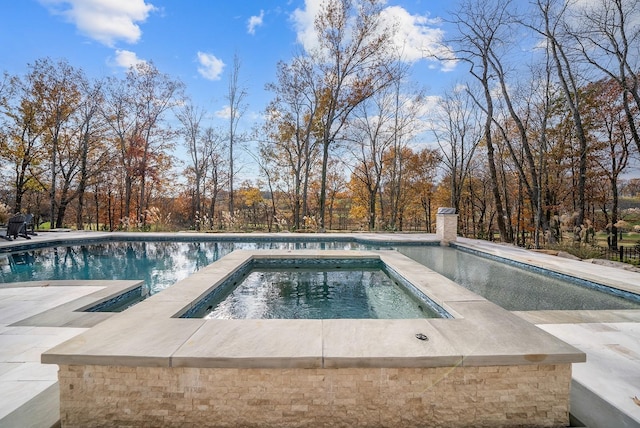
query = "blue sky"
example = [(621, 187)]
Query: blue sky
[(194, 40)]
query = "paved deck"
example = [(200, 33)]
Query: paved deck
[(603, 388), (35, 316), (26, 386)]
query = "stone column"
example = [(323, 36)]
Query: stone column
[(446, 225)]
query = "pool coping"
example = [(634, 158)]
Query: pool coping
[(53, 239), (74, 313), (150, 334)]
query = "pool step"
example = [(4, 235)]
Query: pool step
[(593, 411), (43, 410)]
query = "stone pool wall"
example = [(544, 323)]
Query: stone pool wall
[(496, 396), (148, 367)]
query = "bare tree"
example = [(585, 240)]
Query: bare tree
[(458, 130), (218, 172), (407, 121), (552, 13), (540, 106), (269, 169), (190, 117), (350, 67), (371, 136), (154, 94), (236, 98), (135, 109), (292, 129), (607, 33), (481, 26), (58, 83), (95, 154), (118, 113), (81, 152)]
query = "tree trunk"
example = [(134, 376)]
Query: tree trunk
[(372, 208), (495, 183), (62, 209), (52, 190), (82, 185), (572, 97), (323, 184)]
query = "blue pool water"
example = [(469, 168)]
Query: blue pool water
[(161, 264), (158, 264), (514, 288), (316, 293)]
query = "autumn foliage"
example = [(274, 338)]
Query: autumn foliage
[(528, 150)]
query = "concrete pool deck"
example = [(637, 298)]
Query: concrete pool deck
[(34, 316), (604, 388), (607, 383)]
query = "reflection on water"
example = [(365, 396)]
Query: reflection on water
[(159, 264), (317, 294), (511, 287), (18, 259)]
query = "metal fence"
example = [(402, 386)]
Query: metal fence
[(626, 254)]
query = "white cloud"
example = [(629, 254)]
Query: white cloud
[(127, 59), (303, 23), (597, 9), (224, 112), (255, 21), (210, 66), (106, 21), (417, 37), (460, 87)]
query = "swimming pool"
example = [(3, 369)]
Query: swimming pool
[(342, 370), (159, 263), (162, 263), (519, 289)]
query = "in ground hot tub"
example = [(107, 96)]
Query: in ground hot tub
[(316, 288), (150, 366)]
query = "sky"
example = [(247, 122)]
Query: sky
[(195, 41)]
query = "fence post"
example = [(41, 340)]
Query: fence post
[(621, 253)]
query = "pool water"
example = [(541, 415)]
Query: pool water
[(511, 287), (161, 264), (317, 294)]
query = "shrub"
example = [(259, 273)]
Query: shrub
[(4, 213), (582, 251)]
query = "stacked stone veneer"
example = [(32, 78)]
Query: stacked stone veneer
[(494, 396), (446, 225)]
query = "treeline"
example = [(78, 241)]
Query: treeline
[(533, 144), (77, 150)]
